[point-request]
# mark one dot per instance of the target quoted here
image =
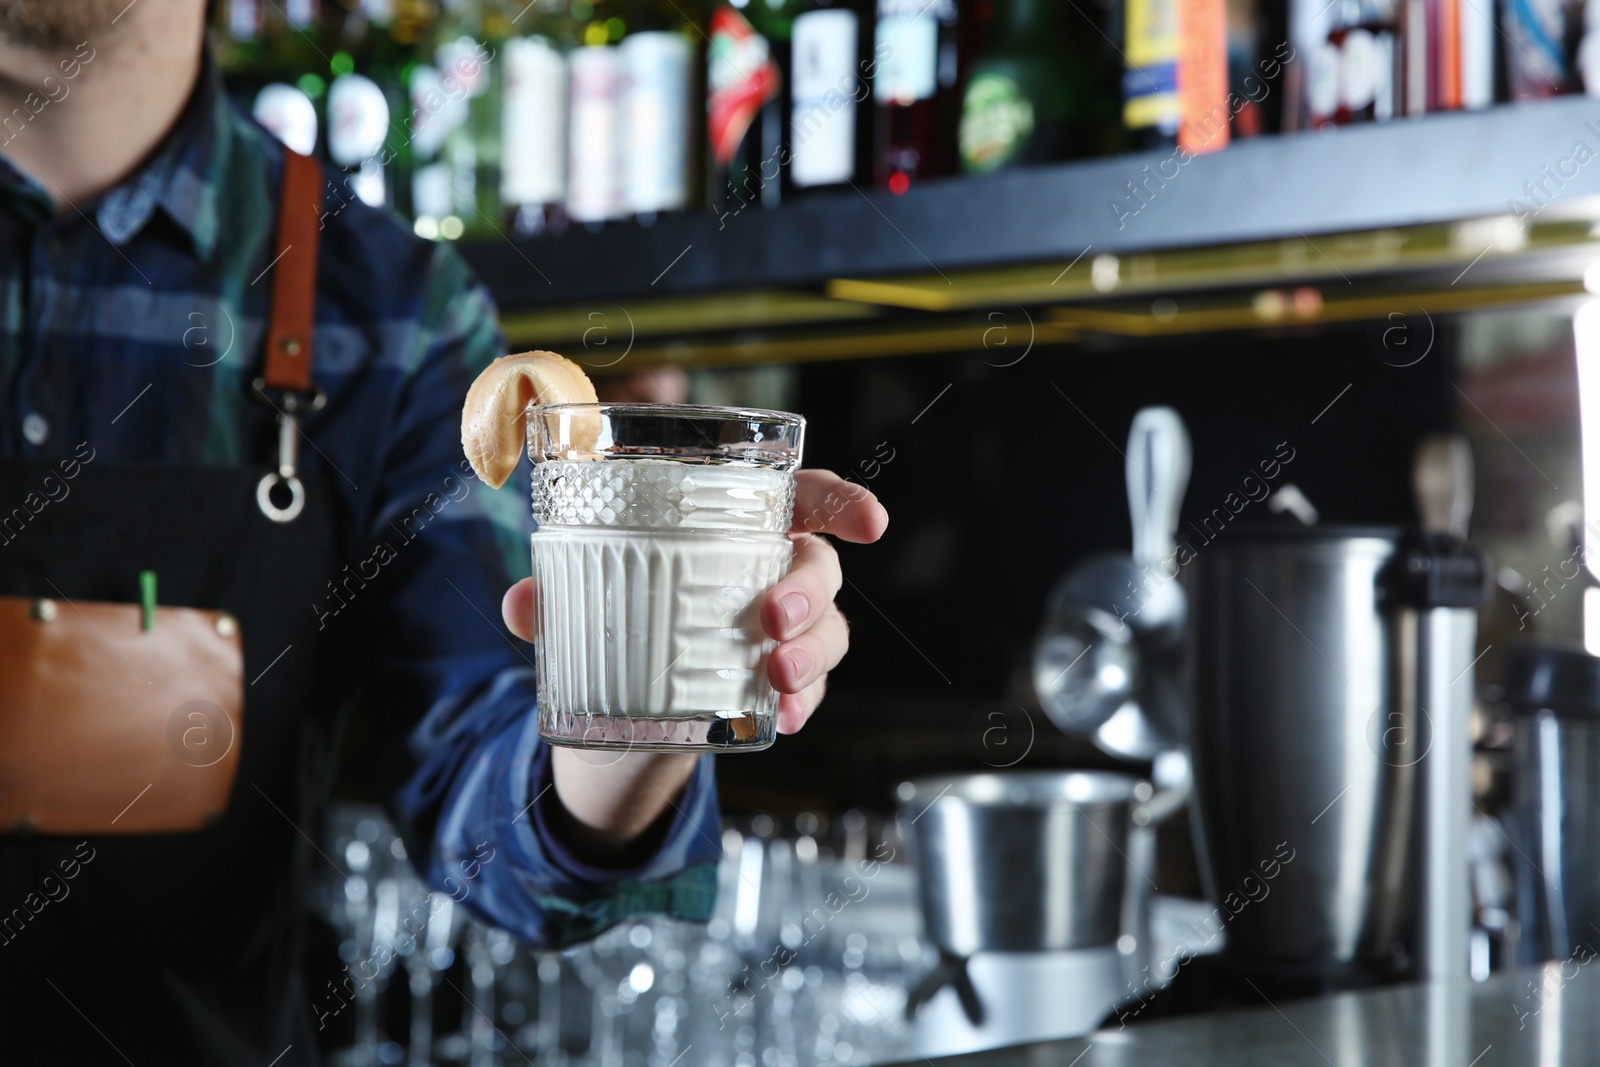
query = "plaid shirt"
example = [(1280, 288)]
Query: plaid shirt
[(136, 323)]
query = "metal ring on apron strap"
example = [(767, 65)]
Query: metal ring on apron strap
[(297, 497), (288, 454)]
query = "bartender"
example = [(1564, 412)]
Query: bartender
[(231, 465)]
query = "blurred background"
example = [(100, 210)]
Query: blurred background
[(970, 240)]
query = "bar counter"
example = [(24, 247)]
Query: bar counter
[(1539, 1017)]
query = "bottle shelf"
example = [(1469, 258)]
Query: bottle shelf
[(1498, 203)]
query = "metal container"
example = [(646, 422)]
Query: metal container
[(1297, 797), (1022, 861), (1555, 819)]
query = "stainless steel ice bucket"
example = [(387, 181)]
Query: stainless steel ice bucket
[(1028, 861), (1293, 686)]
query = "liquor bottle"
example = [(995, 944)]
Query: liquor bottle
[(1536, 59), (1175, 87), (829, 114), (243, 52), (376, 44), (1026, 102), (1244, 81), (1206, 116), (916, 104), (473, 148), (289, 114), (594, 185), (659, 140), (281, 81), (304, 45), (1459, 55), (1365, 39), (1322, 70), (1478, 47), (1586, 59), (358, 127), (444, 175), (250, 46), (1356, 69), (1094, 127), (1259, 49), (744, 108), (470, 35), (301, 14), (1151, 110), (533, 148)]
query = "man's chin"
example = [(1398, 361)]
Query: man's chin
[(51, 25)]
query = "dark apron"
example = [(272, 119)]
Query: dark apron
[(180, 948)]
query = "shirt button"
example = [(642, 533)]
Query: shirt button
[(35, 428)]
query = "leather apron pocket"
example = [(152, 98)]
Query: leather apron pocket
[(107, 727)]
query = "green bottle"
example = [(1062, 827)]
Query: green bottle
[(269, 54), (1026, 102), (367, 135), (243, 51), (469, 41)]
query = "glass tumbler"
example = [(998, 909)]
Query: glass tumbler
[(660, 526)]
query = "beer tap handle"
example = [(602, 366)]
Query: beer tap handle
[(1158, 475), (1442, 478)]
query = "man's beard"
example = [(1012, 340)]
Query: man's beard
[(50, 25)]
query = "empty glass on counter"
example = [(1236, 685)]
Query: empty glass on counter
[(805, 962), (364, 902)]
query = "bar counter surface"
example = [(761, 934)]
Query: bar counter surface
[(1538, 1017)]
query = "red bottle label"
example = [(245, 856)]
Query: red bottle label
[(742, 78)]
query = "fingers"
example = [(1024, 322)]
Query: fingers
[(826, 503), (517, 609), (796, 664), (797, 602), (796, 709), (799, 611)]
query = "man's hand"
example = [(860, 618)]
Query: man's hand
[(609, 801), (799, 611)]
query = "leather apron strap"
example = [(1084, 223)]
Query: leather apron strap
[(294, 276), (286, 368)]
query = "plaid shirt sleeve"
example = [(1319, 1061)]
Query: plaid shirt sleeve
[(472, 800)]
